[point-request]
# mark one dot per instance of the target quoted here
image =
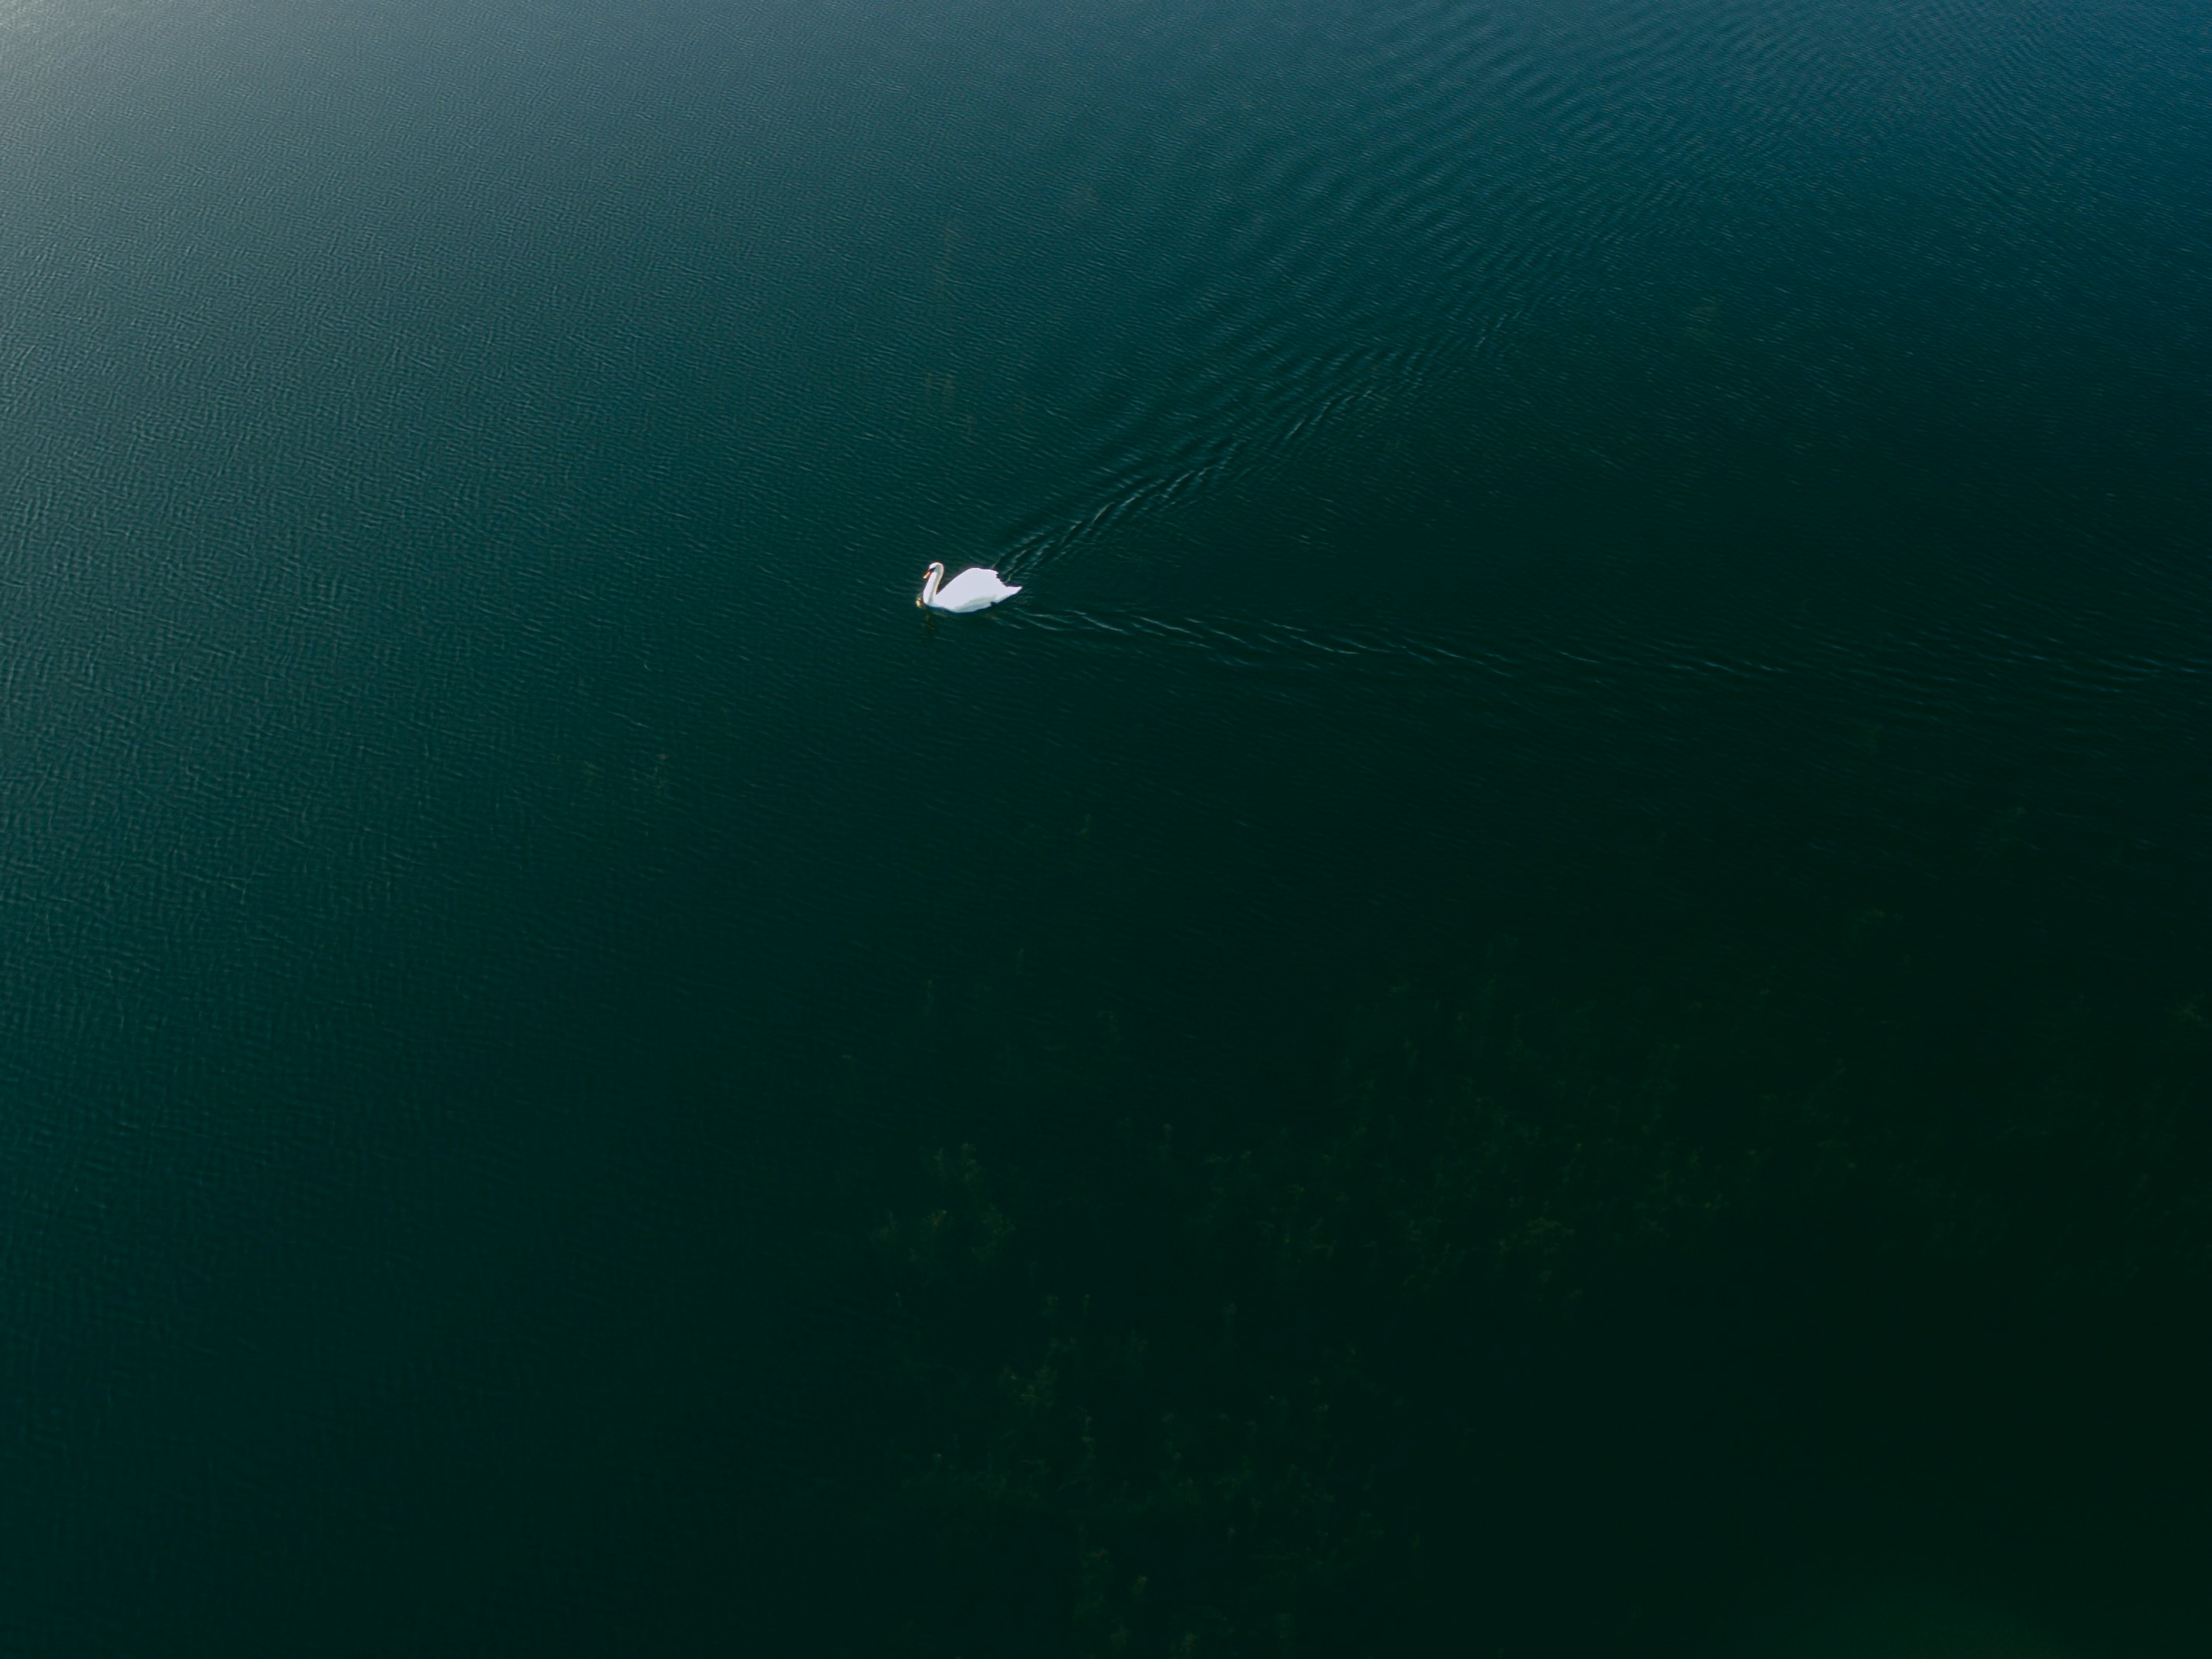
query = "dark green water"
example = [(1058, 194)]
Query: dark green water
[(1593, 814)]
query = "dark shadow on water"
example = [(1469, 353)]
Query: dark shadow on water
[(1843, 1299)]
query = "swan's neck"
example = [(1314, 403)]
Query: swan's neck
[(929, 584)]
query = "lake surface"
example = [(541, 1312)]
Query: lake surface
[(498, 884)]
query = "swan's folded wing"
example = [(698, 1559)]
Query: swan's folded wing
[(973, 589)]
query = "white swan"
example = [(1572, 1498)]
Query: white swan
[(973, 589)]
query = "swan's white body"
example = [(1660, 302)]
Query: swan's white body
[(973, 589)]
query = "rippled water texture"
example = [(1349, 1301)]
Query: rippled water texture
[(481, 820)]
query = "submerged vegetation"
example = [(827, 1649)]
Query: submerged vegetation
[(1557, 1317)]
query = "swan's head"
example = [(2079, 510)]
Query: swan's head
[(930, 578)]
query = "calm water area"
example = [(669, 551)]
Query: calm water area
[(1615, 676)]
